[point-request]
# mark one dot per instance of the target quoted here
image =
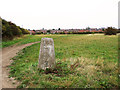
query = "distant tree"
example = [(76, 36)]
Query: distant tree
[(56, 33), (58, 28), (88, 28), (118, 30), (110, 31), (48, 31), (39, 32), (103, 29)]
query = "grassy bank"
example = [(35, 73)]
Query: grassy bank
[(85, 61)]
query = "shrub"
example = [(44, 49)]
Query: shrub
[(110, 31), (24, 31), (118, 31), (39, 32), (11, 30)]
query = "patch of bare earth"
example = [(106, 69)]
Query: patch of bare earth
[(7, 54)]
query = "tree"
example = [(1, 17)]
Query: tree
[(48, 31), (88, 28), (110, 31), (58, 28)]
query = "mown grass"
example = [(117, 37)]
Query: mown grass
[(81, 61)]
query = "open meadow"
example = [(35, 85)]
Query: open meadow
[(82, 61)]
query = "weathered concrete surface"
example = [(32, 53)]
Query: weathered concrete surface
[(47, 54)]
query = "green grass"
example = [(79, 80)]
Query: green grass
[(14, 41), (84, 61), (25, 39)]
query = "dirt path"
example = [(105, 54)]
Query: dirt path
[(7, 54)]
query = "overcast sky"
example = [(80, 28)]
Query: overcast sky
[(65, 14)]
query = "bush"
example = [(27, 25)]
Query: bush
[(24, 31), (118, 31), (62, 33), (11, 30), (39, 32), (110, 31)]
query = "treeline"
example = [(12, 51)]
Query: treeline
[(10, 30)]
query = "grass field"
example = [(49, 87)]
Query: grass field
[(25, 39), (84, 61)]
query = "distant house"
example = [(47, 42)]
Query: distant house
[(66, 32), (44, 31), (93, 30), (100, 30), (32, 32), (37, 31), (53, 31), (82, 31)]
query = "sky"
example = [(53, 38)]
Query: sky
[(64, 14)]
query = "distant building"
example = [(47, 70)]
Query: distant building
[(32, 32)]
